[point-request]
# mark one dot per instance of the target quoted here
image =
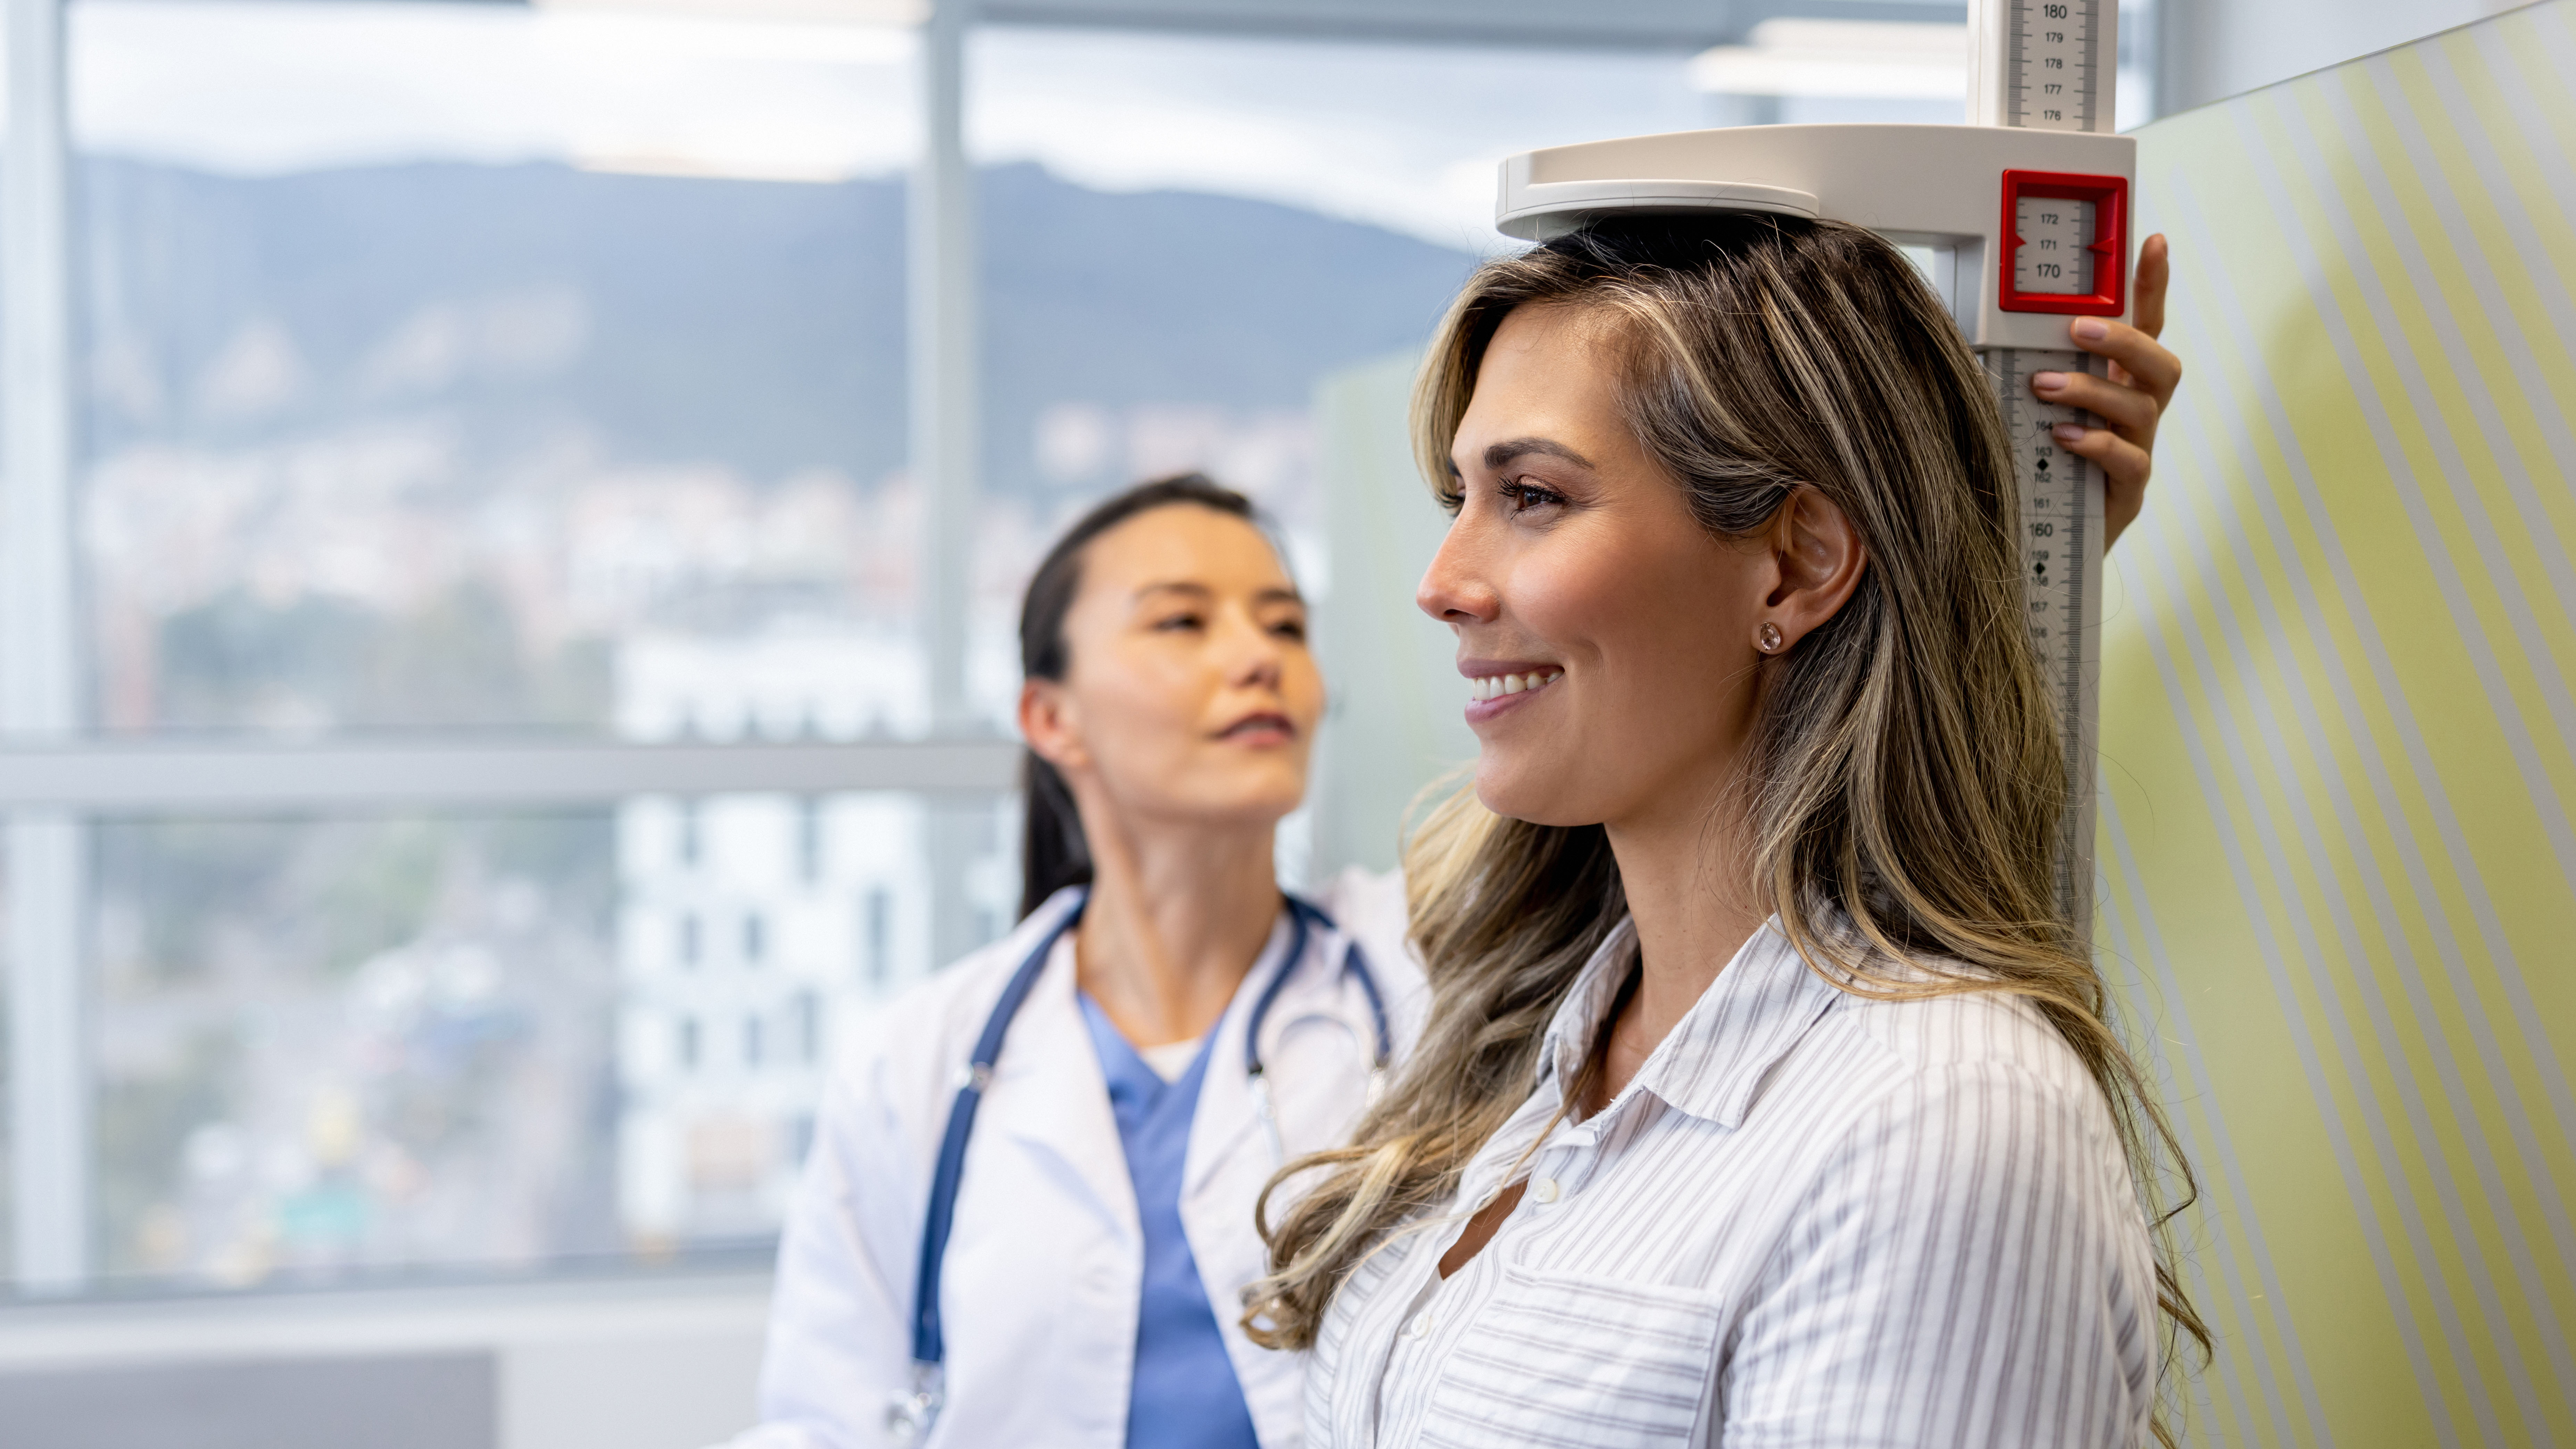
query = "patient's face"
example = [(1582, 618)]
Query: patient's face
[(1575, 567)]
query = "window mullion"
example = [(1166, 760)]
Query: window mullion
[(39, 663)]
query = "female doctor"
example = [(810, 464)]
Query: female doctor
[(1028, 1216)]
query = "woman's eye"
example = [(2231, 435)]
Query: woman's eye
[(1177, 622), (1524, 497), (1290, 629)]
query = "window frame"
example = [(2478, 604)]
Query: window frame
[(56, 775)]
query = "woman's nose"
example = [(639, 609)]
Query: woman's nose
[(1254, 658), (1455, 589)]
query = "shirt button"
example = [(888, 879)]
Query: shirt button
[(1544, 1190), (1420, 1327)]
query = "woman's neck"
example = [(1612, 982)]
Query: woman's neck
[(1178, 916), (1681, 869)]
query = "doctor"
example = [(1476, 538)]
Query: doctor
[(1028, 1215)]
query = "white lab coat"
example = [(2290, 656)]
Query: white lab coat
[(1045, 1264)]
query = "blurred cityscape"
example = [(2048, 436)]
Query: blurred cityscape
[(432, 447)]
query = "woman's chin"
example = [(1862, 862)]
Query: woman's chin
[(1251, 805), (1534, 795)]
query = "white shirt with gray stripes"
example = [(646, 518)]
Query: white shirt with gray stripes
[(1811, 1220)]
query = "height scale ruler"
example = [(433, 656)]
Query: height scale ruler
[(2053, 65), (2026, 214)]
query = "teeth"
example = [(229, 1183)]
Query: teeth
[(1496, 686)]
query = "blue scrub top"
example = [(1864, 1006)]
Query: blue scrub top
[(1184, 1394)]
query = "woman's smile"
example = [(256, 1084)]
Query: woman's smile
[(1496, 685)]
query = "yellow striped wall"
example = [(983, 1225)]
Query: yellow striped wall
[(2339, 742)]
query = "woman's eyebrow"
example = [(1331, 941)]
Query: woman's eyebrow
[(1175, 586), (1276, 595), (1502, 453)]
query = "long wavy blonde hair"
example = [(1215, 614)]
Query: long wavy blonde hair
[(1906, 777)]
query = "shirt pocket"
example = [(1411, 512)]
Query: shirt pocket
[(1558, 1359)]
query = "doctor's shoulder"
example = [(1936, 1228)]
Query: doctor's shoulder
[(1369, 906), (902, 1065)]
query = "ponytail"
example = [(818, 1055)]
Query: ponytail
[(1053, 852)]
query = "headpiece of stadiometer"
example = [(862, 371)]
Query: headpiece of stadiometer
[(2027, 212)]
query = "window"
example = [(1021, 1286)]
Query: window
[(510, 748), (474, 366), (334, 1045), (492, 502)]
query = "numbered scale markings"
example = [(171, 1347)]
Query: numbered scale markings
[(2061, 534), (2056, 252), (2055, 68), (2056, 76)]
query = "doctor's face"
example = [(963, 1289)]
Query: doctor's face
[(1618, 629), (1189, 694)]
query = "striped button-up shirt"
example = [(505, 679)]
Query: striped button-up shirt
[(1811, 1220)]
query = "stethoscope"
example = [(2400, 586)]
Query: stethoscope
[(910, 1416)]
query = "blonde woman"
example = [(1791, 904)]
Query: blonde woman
[(1765, 1096)]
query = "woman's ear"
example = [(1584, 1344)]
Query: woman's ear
[(1048, 723), (1820, 560)]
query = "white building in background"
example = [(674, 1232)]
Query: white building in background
[(789, 684), (754, 930)]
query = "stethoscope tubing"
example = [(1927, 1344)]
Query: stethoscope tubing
[(911, 1415)]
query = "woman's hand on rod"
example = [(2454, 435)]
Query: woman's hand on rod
[(2129, 401)]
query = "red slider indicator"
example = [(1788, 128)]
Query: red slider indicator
[(2065, 243)]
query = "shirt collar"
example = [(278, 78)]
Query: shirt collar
[(1718, 1054), (1577, 1023)]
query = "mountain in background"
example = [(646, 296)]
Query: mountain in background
[(756, 324)]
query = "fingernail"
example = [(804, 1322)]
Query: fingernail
[(2092, 329), (2068, 433), (2048, 381)]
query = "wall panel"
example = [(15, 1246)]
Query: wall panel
[(2340, 748)]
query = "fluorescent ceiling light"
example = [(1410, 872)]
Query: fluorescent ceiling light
[(803, 12), (1841, 58)]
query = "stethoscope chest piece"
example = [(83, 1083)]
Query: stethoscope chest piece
[(910, 1415)]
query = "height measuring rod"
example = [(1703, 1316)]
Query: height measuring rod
[(2053, 65), (2026, 214)]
